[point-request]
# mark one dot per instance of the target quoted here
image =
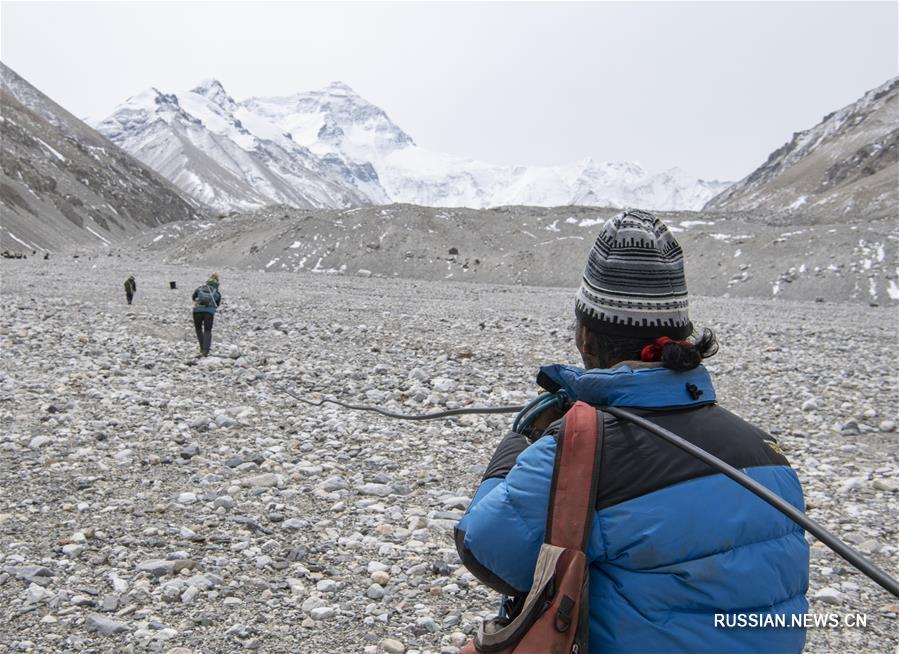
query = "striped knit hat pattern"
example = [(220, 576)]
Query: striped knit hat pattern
[(634, 282)]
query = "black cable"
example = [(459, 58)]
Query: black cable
[(400, 416), (797, 516)]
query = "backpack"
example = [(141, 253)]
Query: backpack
[(554, 616), (205, 297)]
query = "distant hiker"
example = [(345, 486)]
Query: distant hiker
[(672, 544), (130, 288), (207, 299), (46, 255)]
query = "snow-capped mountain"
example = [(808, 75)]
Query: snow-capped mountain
[(335, 121), (196, 140), (846, 165), (332, 148), (63, 184)]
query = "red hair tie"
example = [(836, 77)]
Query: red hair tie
[(653, 351)]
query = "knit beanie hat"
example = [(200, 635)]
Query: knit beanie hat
[(634, 281)]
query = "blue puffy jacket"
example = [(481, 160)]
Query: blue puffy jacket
[(672, 544)]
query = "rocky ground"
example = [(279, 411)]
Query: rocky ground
[(154, 501)]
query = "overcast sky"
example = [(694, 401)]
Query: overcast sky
[(710, 87)]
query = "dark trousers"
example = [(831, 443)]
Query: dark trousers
[(203, 325), (129, 296)]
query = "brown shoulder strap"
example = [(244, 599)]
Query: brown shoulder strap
[(572, 496)]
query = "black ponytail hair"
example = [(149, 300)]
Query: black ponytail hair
[(681, 356)]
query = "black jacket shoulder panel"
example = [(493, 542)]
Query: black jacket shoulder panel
[(506, 455), (636, 462)]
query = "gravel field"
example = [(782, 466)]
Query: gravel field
[(154, 501)]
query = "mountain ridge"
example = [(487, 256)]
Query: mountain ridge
[(847, 162), (196, 142), (63, 183), (358, 147)]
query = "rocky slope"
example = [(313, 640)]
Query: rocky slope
[(845, 167), (150, 501), (332, 148), (726, 255), (62, 183)]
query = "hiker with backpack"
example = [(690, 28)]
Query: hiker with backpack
[(130, 288), (665, 544), (207, 299)]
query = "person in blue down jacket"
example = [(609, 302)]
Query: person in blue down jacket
[(675, 547)]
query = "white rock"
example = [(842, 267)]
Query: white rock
[(869, 546), (264, 480), (223, 420), (443, 384), (830, 595), (378, 490), (332, 484), (297, 587), (418, 374), (459, 502), (852, 483), (123, 456), (313, 602), (391, 646), (189, 595), (35, 594), (889, 484), (322, 613), (326, 586), (165, 634), (118, 585), (72, 550), (104, 625)]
